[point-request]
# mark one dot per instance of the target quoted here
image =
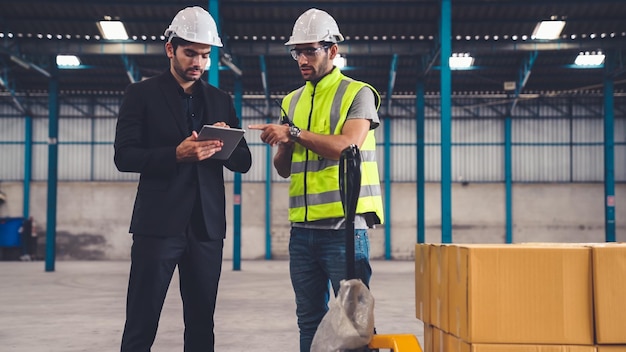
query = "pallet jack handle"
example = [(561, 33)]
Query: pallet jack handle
[(350, 187)]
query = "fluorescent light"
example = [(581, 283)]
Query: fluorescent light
[(510, 86), (548, 30), (112, 30), (339, 61), (589, 59), (68, 61), (460, 61)]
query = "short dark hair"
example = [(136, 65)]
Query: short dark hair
[(177, 41)]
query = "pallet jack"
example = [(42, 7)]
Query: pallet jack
[(350, 185)]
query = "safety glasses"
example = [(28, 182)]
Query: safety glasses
[(309, 53)]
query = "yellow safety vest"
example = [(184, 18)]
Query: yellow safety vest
[(314, 189)]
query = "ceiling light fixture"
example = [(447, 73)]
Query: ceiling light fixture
[(68, 61), (460, 61), (548, 30), (112, 30), (589, 59)]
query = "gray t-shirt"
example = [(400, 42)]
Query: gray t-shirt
[(363, 107)]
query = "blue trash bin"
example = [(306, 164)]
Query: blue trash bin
[(10, 232)]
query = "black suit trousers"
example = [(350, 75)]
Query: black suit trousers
[(153, 260)]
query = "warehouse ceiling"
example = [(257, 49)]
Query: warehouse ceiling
[(391, 44)]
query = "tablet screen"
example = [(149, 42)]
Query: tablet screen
[(230, 137)]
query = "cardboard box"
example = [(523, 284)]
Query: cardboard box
[(428, 338), (422, 282), (614, 348), (439, 286), (439, 340), (530, 348), (454, 344), (609, 290), (516, 294)]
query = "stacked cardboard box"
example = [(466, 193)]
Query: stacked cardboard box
[(609, 290), (523, 297)]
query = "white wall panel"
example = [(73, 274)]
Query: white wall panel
[(556, 139)]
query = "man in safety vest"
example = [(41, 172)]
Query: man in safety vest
[(330, 112)]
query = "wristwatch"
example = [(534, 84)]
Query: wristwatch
[(294, 132)]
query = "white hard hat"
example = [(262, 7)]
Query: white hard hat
[(315, 26), (194, 24)]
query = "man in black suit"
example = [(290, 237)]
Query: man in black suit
[(179, 214)]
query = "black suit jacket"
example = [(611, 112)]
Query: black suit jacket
[(149, 128)]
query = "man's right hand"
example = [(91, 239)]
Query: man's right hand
[(273, 134), (191, 149)]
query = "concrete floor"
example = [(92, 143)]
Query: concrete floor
[(80, 306)]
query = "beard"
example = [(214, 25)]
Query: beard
[(187, 74), (317, 72)]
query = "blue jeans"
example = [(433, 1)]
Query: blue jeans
[(315, 258)]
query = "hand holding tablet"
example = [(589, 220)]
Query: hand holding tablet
[(230, 137)]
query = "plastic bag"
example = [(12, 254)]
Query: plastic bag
[(349, 322)]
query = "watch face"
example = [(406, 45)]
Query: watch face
[(294, 131)]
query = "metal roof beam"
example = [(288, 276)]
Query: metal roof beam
[(131, 68), (6, 82), (227, 60), (255, 48), (524, 74), (392, 82), (428, 61), (24, 63)]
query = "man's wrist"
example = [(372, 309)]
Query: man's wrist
[(294, 132), (287, 145)]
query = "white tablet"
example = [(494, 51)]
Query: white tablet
[(230, 137)]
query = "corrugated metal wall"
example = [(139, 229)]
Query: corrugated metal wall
[(554, 139)]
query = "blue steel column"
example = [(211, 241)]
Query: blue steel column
[(387, 183), (446, 123), (508, 174), (92, 108), (268, 167), (387, 169), (420, 111), (609, 158), (28, 163), (522, 78), (53, 134), (237, 197), (214, 73)]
